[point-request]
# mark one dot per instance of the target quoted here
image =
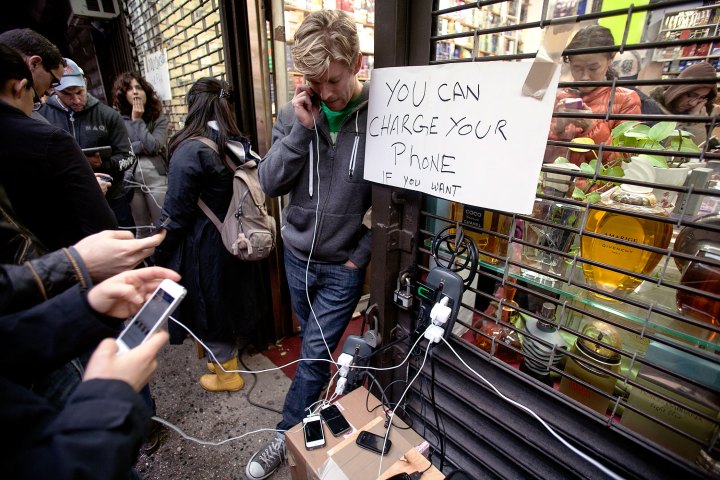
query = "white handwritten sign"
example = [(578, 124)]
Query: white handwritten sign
[(156, 72), (462, 132)]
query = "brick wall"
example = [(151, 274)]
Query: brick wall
[(190, 31)]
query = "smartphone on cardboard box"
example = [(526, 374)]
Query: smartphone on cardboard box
[(335, 420), (374, 443), (313, 430)]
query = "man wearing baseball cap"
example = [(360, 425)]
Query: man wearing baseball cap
[(93, 124)]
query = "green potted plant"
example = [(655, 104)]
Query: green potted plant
[(587, 189), (671, 171)]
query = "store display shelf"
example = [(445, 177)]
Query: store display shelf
[(699, 57), (472, 27), (652, 320), (482, 53), (692, 27), (307, 10), (661, 298)]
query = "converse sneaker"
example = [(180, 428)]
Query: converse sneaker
[(267, 459)]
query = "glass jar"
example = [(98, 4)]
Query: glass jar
[(538, 357), (622, 223), (594, 362), (705, 277)]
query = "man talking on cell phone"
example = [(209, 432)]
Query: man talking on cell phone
[(318, 157)]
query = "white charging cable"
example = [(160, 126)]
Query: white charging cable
[(582, 455)]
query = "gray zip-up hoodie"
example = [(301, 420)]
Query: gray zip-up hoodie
[(328, 195), (97, 125)]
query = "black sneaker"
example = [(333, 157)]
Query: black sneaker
[(267, 459), (154, 439)]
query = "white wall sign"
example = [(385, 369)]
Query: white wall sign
[(156, 72), (462, 132)]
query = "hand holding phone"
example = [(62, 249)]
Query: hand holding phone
[(372, 442), (335, 420), (156, 310), (306, 104), (313, 430)]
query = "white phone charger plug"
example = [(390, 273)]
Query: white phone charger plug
[(340, 386), (434, 333), (440, 312), (345, 360)]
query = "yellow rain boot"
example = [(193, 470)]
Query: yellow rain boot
[(211, 367), (222, 381)]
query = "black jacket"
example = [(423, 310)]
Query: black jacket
[(27, 285), (96, 126), (49, 181), (98, 432), (226, 296)]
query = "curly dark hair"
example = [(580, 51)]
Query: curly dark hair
[(153, 107)]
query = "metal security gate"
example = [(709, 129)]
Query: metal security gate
[(656, 385)]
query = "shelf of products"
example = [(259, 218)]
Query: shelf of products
[(641, 310), (697, 23), (467, 21), (362, 11)]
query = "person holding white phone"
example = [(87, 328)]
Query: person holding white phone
[(98, 432)]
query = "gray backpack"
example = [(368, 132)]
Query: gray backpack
[(248, 231)]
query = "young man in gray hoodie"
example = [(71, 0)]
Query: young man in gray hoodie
[(317, 157)]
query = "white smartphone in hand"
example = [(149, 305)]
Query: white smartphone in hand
[(156, 310), (314, 435)]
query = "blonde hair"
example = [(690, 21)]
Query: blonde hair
[(325, 36)]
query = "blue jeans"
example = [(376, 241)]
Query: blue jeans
[(334, 291)]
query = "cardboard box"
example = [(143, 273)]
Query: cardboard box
[(342, 459)]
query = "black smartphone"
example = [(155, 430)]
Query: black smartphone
[(373, 442), (334, 419), (104, 151)]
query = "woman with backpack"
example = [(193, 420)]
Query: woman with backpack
[(226, 296), (147, 126)]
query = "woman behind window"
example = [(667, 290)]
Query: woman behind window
[(147, 126), (591, 67), (226, 296)]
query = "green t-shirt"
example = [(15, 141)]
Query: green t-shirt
[(335, 119)]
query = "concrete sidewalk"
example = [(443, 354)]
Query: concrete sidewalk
[(210, 417)]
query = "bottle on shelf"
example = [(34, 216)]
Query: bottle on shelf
[(705, 277), (487, 220), (538, 356), (595, 360), (621, 222), (497, 338)]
